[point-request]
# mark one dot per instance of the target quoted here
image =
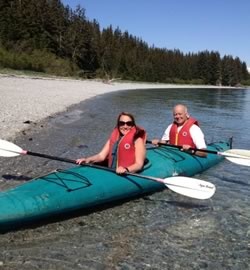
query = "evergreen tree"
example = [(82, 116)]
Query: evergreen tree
[(45, 35)]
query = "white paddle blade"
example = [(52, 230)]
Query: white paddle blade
[(240, 153), (190, 187), (239, 161), (238, 156), (8, 149)]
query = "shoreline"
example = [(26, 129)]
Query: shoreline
[(32, 99)]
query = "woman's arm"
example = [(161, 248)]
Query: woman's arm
[(101, 156)]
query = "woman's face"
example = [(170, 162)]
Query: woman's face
[(125, 124)]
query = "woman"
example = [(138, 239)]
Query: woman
[(125, 149)]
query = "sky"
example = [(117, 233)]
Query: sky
[(187, 25)]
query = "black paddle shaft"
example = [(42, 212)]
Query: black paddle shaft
[(195, 149), (51, 157)]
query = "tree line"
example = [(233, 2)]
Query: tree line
[(46, 36)]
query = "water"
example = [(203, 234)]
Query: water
[(161, 231)]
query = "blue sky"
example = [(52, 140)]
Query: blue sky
[(187, 25)]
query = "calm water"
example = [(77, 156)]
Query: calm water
[(161, 231)]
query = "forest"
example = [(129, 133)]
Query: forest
[(48, 37)]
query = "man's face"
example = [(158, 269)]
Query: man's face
[(180, 115)]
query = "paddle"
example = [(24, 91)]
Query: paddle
[(187, 186), (238, 156)]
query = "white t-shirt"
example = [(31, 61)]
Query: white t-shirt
[(195, 132)]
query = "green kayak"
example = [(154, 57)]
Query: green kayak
[(82, 187)]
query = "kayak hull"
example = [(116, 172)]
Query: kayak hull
[(82, 187)]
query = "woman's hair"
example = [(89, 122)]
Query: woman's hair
[(127, 114)]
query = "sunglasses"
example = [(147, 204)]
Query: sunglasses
[(129, 123)]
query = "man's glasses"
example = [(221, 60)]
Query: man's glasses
[(129, 123)]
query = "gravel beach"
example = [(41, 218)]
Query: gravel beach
[(33, 99)]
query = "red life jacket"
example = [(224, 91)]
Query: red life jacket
[(126, 146), (183, 136)]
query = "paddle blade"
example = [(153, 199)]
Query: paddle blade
[(190, 187), (8, 149), (239, 161), (238, 156), (241, 153)]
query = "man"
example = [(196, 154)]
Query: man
[(184, 131)]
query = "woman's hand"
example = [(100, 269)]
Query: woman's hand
[(81, 161), (121, 170)]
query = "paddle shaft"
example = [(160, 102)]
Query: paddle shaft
[(24, 152), (192, 149)]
